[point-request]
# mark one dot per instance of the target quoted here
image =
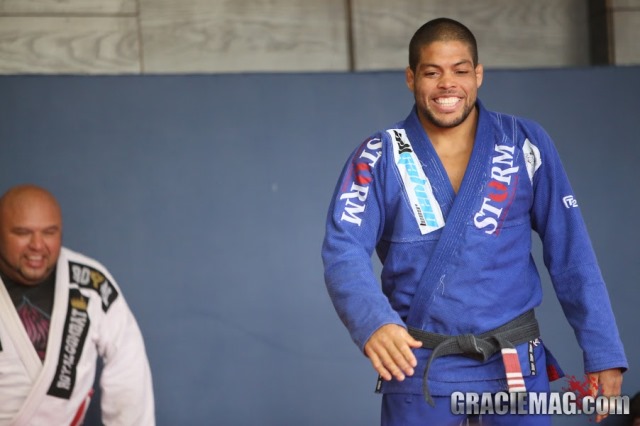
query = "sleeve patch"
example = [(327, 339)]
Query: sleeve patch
[(87, 277), (355, 189)]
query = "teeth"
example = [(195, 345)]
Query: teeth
[(447, 101)]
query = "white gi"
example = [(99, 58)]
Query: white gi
[(90, 318)]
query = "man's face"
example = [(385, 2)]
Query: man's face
[(30, 237), (445, 84)]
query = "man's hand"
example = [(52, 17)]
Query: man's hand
[(611, 383), (389, 350)]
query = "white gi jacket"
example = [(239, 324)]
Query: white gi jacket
[(90, 318)]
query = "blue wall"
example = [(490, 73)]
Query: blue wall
[(206, 198)]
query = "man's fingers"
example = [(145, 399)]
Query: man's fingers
[(389, 350), (385, 364), (413, 342), (608, 381), (594, 384), (408, 356), (400, 362), (394, 362), (610, 384), (378, 366)]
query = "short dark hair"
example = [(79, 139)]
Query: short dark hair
[(441, 29)]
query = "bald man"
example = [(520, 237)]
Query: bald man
[(59, 312)]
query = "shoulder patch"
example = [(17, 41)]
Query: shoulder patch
[(532, 158), (87, 277)]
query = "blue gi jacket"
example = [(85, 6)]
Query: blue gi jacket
[(462, 263)]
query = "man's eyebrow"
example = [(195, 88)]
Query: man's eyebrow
[(462, 62), (25, 228)]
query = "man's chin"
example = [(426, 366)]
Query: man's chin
[(34, 277), (446, 122)]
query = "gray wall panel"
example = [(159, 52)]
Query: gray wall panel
[(510, 34), (235, 36)]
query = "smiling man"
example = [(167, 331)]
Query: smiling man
[(31, 235), (447, 198), (59, 311)]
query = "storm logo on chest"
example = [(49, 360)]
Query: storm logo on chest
[(500, 191)]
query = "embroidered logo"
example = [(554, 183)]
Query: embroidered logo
[(569, 202), (76, 328), (500, 191), (88, 277), (425, 207), (361, 169), (532, 158)]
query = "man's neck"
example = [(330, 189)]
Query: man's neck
[(454, 146), (49, 279), (458, 138)]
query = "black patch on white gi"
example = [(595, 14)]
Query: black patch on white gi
[(76, 327), (90, 278)]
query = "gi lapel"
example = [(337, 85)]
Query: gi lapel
[(74, 332), (58, 314), (459, 214)]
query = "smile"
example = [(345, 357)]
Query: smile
[(451, 101), (35, 261)]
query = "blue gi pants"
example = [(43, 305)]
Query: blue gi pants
[(413, 410)]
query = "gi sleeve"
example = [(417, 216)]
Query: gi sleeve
[(354, 225), (125, 382), (570, 259)]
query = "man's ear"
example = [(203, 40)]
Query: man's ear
[(479, 75), (410, 78)]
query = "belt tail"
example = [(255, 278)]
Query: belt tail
[(515, 379)]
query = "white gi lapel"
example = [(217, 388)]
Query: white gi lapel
[(417, 187), (43, 380), (58, 315)]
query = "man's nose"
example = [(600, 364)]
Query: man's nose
[(447, 81), (36, 242)]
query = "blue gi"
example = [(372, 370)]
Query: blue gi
[(461, 263)]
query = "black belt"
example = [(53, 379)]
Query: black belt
[(481, 347)]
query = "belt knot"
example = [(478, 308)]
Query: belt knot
[(468, 344)]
